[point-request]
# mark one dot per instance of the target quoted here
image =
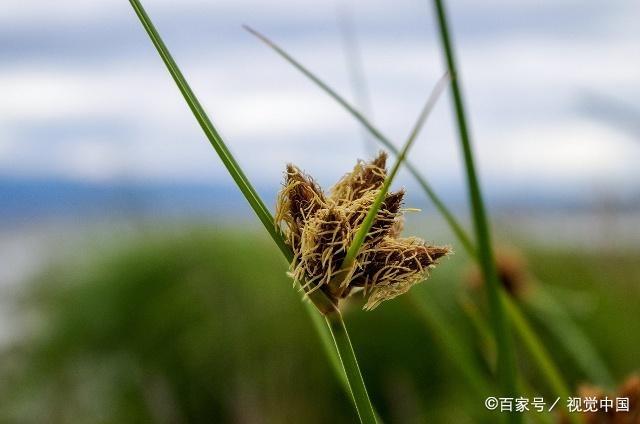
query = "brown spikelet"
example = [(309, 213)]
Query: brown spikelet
[(323, 246), (512, 273), (630, 389), (394, 266), (388, 214), (363, 178), (320, 230), (300, 199), (600, 416)]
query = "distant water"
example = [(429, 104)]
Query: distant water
[(42, 219)]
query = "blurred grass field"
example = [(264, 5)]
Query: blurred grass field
[(203, 325)]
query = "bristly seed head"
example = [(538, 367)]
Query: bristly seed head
[(513, 273), (320, 229), (629, 389)]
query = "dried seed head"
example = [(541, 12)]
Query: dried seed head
[(299, 199), (364, 178), (386, 217), (600, 416), (325, 238), (629, 389), (320, 230), (512, 273), (394, 266)]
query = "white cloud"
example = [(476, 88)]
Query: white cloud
[(563, 152), (521, 88)]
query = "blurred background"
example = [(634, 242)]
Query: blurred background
[(136, 284)]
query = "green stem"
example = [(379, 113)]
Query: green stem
[(536, 349), (321, 301), (532, 344), (352, 370), (507, 371), (539, 353), (487, 342), (212, 134), (326, 339)]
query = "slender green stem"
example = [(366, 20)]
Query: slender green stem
[(537, 350), (326, 340), (507, 370), (351, 368), (377, 134), (332, 351), (212, 134), (487, 341), (553, 376), (320, 300), (317, 297)]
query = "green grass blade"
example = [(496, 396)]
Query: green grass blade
[(362, 232), (326, 340), (378, 135), (568, 333), (366, 413), (214, 138), (537, 350), (343, 345), (507, 370), (529, 339), (485, 336), (526, 334), (448, 336)]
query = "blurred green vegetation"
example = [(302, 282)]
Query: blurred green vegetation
[(205, 326)]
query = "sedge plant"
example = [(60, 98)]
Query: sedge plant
[(342, 353), (327, 306), (522, 327)]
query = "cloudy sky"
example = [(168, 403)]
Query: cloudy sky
[(552, 87)]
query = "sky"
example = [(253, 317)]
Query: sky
[(552, 90)]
